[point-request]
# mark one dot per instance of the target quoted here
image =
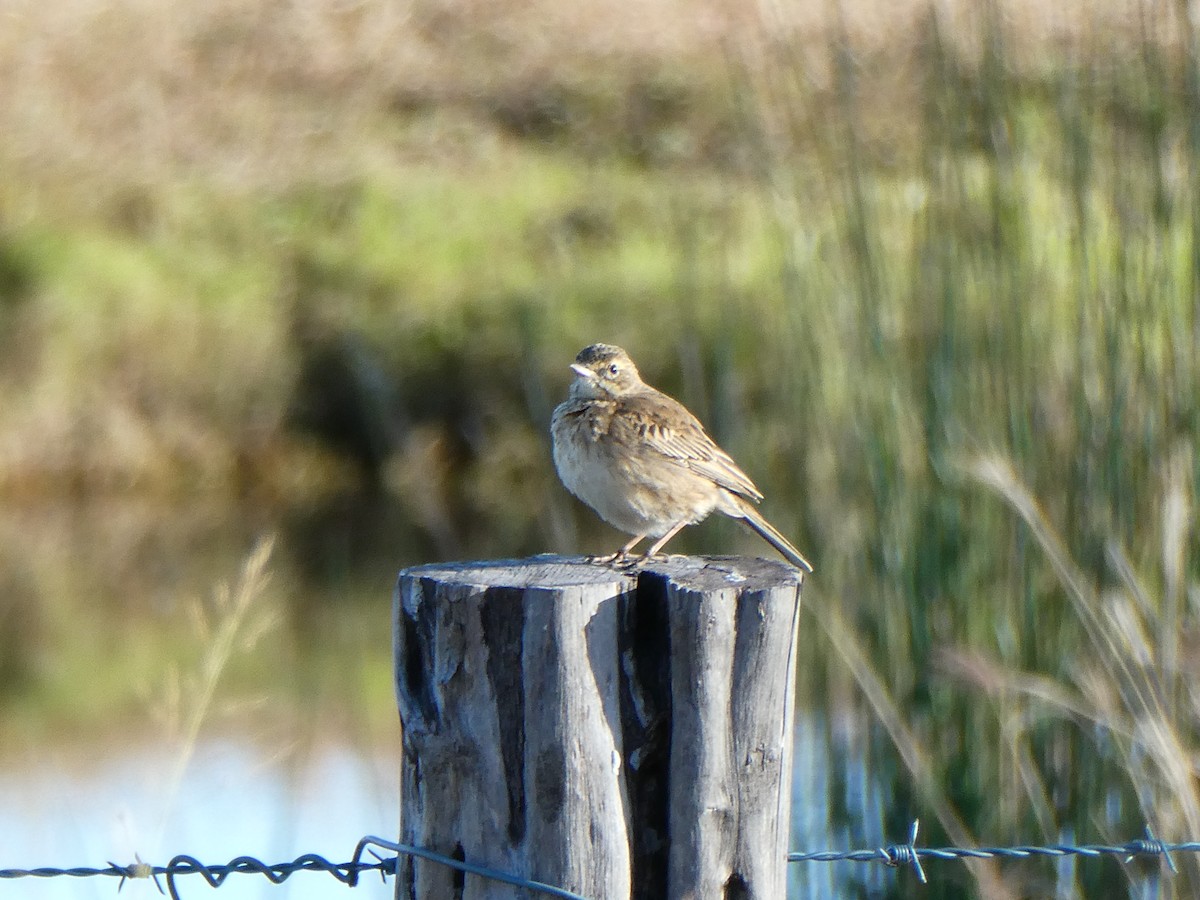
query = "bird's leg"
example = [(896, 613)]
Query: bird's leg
[(621, 555), (661, 542)]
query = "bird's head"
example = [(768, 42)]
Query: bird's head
[(603, 371)]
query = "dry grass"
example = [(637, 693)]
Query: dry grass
[(1135, 687), (231, 626), (258, 93), (266, 93)]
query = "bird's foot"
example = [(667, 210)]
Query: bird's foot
[(645, 559), (636, 562), (622, 559)]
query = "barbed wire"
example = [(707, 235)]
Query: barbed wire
[(911, 855), (907, 854), (348, 872)]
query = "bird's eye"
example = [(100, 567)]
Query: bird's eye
[(613, 369)]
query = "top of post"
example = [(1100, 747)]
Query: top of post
[(694, 573)]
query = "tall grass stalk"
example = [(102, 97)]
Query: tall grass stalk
[(921, 764), (1132, 688), (233, 626), (1010, 279)]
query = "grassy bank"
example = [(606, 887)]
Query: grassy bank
[(281, 259)]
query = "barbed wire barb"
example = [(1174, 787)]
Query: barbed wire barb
[(136, 869), (387, 865), (905, 854), (1152, 845)]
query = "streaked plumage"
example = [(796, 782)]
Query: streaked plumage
[(643, 462)]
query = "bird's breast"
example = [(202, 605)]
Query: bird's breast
[(584, 462), (637, 491)]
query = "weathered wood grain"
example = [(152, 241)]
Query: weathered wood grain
[(619, 734)]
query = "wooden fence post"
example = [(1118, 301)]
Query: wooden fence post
[(616, 734)]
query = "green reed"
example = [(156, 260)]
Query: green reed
[(1016, 282)]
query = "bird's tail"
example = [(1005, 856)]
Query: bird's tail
[(771, 535)]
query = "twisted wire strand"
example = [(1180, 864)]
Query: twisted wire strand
[(911, 855), (347, 872), (907, 855)]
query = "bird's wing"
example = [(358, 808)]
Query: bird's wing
[(665, 426)]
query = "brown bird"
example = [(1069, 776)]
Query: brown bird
[(643, 462)]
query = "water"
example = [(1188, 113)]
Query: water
[(109, 624), (299, 748), (820, 758), (233, 801), (237, 799)]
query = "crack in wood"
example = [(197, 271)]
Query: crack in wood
[(622, 734), (501, 614)]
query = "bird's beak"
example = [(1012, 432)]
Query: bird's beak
[(583, 371)]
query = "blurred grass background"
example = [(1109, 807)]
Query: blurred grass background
[(929, 272)]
